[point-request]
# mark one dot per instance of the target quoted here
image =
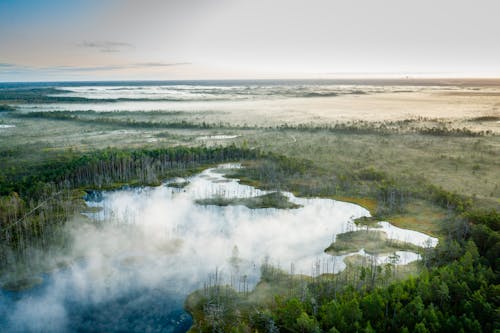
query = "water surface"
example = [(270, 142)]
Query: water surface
[(153, 246)]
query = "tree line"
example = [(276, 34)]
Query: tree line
[(36, 200), (355, 127), (455, 291)]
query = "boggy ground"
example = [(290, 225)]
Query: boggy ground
[(409, 135), (402, 161)]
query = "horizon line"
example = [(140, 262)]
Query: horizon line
[(343, 78)]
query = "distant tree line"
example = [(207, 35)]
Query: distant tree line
[(354, 127)]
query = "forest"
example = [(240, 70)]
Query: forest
[(36, 200), (456, 289), (235, 166)]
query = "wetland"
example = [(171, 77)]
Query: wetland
[(119, 210)]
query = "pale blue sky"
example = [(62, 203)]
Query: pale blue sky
[(203, 39)]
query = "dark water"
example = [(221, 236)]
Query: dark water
[(147, 310), (156, 245), (43, 309)]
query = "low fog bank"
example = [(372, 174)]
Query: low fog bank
[(109, 284), (149, 247)]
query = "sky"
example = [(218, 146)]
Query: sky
[(54, 40)]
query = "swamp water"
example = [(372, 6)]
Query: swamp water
[(153, 246)]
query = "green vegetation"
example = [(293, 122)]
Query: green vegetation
[(69, 116), (423, 174), (486, 118), (37, 200), (45, 95), (111, 166), (435, 127), (373, 242), (367, 203), (6, 107), (27, 95), (455, 280), (269, 200), (454, 292), (181, 184), (420, 216)]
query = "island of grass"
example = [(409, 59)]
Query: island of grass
[(178, 184), (372, 241), (367, 221), (270, 200)]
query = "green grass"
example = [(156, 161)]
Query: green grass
[(270, 200), (411, 161), (341, 165), (420, 216), (181, 184), (373, 242), (460, 164), (367, 203)]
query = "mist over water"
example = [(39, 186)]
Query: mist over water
[(199, 96), (197, 92), (251, 103), (151, 247)]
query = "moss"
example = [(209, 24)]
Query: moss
[(420, 216), (270, 200), (367, 203), (373, 242), (181, 184), (367, 221)]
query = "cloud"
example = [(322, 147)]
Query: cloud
[(10, 72), (118, 67), (107, 46), (16, 68), (161, 64), (13, 69), (85, 69)]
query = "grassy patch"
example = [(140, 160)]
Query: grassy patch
[(420, 216), (367, 203), (367, 221), (373, 242), (180, 184), (400, 272), (270, 200)]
